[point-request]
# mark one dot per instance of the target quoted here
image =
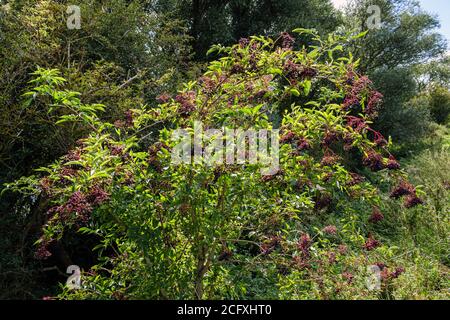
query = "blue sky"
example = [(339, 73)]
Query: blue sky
[(442, 9), (439, 7)]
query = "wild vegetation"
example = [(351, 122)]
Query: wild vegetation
[(88, 123)]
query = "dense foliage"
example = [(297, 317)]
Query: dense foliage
[(97, 110)]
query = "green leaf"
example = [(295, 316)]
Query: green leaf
[(314, 53), (275, 71), (305, 31), (295, 92), (360, 35), (307, 87)]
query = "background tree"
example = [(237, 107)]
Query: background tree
[(225, 22), (433, 79), (123, 55)]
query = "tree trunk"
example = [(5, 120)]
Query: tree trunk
[(202, 267)]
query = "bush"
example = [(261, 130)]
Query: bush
[(309, 229), (440, 104)]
